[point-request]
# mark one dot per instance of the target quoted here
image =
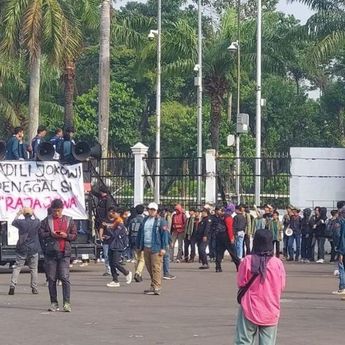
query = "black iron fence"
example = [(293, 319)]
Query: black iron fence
[(274, 177), (179, 179)]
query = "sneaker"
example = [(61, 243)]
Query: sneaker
[(306, 261), (177, 261), (138, 278), (320, 261), (54, 307), (59, 282), (106, 274), (169, 277), (204, 267), (34, 291), (191, 260), (219, 270), (11, 291), (67, 307), (84, 264), (339, 292), (157, 292), (149, 291), (336, 272), (129, 277), (113, 284)]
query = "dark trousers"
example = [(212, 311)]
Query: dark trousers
[(246, 245), (58, 268), (285, 245), (189, 242), (114, 262), (276, 244), (333, 251), (306, 247), (223, 244), (202, 252), (321, 247), (212, 246)]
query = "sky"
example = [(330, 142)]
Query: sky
[(300, 11)]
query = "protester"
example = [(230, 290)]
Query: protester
[(37, 140), (275, 226), (189, 238), (153, 240), (179, 220), (249, 231), (118, 243), (225, 238), (320, 228), (27, 247), (261, 277), (201, 236), (57, 231), (65, 147), (331, 226), (286, 223), (15, 147), (240, 223), (294, 240), (55, 141), (215, 215), (105, 237), (340, 247), (133, 228), (307, 236)]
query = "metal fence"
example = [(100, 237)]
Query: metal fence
[(178, 181), (117, 174), (275, 175)]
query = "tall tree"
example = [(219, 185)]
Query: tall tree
[(37, 26), (104, 77)]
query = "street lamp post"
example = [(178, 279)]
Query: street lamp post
[(258, 107), (199, 114), (238, 161), (158, 103)]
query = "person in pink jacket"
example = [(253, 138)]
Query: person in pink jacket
[(264, 277)]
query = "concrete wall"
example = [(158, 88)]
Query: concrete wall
[(317, 176)]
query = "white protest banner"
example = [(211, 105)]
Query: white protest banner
[(35, 184)]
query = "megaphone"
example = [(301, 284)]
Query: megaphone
[(45, 151), (288, 231), (82, 151), (2, 149)]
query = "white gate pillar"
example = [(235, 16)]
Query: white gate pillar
[(211, 173), (139, 151)]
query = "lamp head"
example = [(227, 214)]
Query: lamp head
[(233, 47), (152, 34), (196, 68)]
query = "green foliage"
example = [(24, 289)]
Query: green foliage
[(125, 110)]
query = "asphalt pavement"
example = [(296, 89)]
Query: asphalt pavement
[(198, 308)]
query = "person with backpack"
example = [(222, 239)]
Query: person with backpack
[(261, 280), (133, 228), (118, 242), (178, 224), (65, 147), (225, 238), (153, 240)]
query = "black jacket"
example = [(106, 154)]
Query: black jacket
[(240, 223), (204, 228), (119, 237), (28, 241)]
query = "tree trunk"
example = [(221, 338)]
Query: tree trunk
[(34, 95), (69, 78), (216, 113), (104, 78)]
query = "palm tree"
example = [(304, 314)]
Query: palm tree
[(104, 77), (35, 27)]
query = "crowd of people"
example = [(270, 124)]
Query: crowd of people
[(62, 141)]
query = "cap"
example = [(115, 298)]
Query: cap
[(153, 205)]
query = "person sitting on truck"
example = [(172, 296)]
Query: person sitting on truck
[(27, 247), (14, 146), (57, 232)]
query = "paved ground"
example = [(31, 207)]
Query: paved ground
[(198, 307)]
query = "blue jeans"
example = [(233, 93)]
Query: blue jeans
[(166, 263), (341, 275), (239, 245), (291, 241)]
